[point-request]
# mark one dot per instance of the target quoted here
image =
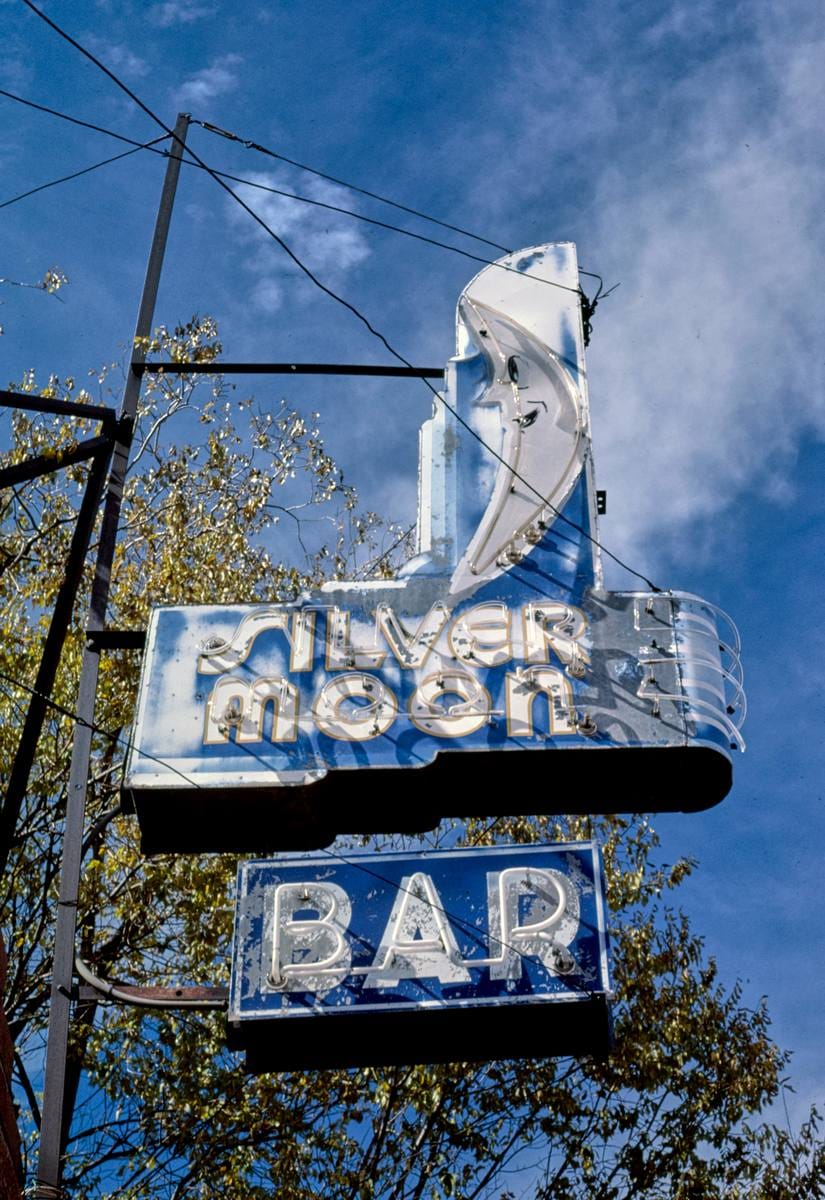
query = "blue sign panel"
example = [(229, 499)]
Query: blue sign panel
[(497, 637), (426, 957)]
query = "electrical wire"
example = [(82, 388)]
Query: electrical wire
[(360, 316), (329, 207), (233, 137), (53, 112), (255, 216), (76, 174), (319, 203), (335, 296), (353, 187), (462, 923), (95, 728), (362, 572), (301, 166), (439, 397), (419, 237), (111, 989)]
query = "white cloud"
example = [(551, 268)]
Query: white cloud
[(328, 243), (684, 21), (118, 58), (179, 12), (209, 82), (267, 295), (705, 369)]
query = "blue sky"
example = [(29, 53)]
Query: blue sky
[(679, 145)]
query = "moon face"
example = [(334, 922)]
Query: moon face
[(517, 317), (542, 440)]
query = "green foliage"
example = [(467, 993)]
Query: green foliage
[(229, 500)]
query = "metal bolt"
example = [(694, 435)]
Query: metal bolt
[(587, 726)]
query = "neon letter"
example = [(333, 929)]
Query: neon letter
[(418, 942), (309, 954), (557, 627), (236, 704), (521, 689), (339, 714), (532, 911), (482, 634), (431, 713)]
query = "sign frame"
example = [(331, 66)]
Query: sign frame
[(540, 1016)]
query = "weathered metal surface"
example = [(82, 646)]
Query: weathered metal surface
[(497, 637), (447, 955)]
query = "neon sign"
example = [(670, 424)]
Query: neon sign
[(497, 637), (447, 655), (420, 958)]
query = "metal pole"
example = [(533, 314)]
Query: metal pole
[(53, 1128), (50, 659)]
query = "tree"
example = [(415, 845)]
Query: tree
[(51, 283), (160, 1107)]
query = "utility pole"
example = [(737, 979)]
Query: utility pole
[(54, 1122)]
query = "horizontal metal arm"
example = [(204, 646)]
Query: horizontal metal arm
[(95, 412), (154, 997), (116, 639), (229, 368), (45, 464)]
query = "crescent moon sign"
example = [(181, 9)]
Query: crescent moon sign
[(516, 382)]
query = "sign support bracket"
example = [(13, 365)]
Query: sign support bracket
[(99, 451), (54, 1124)]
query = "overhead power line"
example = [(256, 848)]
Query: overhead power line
[(337, 208), (356, 312), (419, 237), (354, 187), (250, 145), (77, 174), (72, 120)]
